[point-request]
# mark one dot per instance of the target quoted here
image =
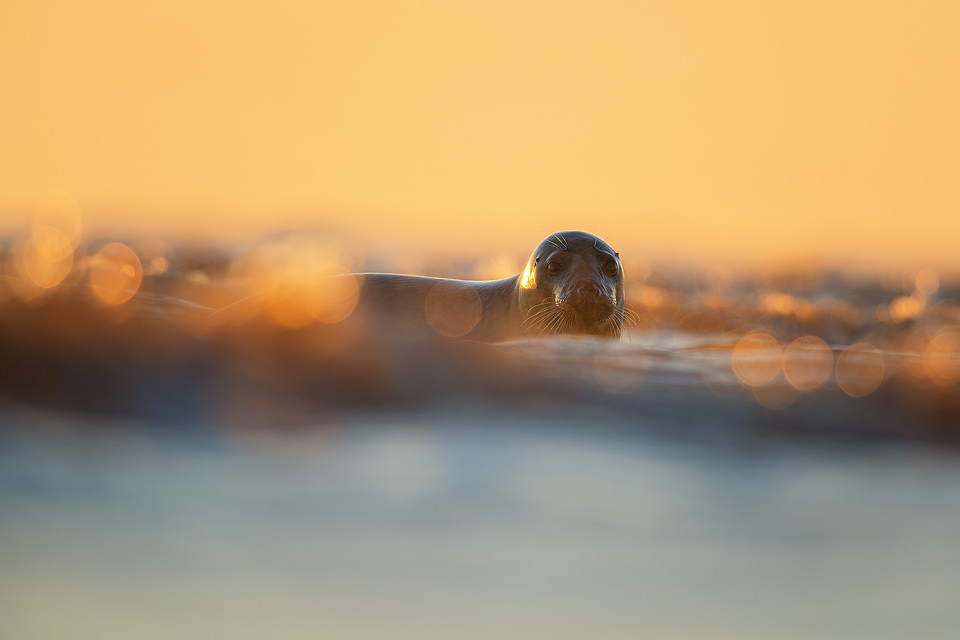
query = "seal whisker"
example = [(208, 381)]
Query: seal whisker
[(547, 304), (545, 327), (562, 321), (614, 322), (537, 306), (540, 315), (544, 320), (631, 317), (559, 322), (532, 314), (537, 320)]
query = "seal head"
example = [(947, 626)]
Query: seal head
[(572, 284)]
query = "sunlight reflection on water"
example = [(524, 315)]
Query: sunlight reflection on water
[(198, 443)]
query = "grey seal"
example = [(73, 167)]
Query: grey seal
[(572, 284)]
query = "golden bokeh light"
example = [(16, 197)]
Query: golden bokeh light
[(115, 273), (941, 358), (860, 369), (299, 280), (159, 265), (52, 243), (287, 308), (35, 261), (46, 256), (807, 363), (908, 307), (452, 309), (334, 295), (757, 359), (329, 294), (781, 303)]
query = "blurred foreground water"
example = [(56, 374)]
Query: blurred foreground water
[(481, 525), (767, 455)]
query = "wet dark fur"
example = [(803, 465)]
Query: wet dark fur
[(580, 298)]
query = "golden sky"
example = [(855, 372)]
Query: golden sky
[(733, 129)]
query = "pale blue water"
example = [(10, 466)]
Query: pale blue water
[(468, 523)]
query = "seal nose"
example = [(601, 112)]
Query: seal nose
[(592, 302), (591, 294)]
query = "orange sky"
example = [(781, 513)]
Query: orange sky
[(730, 129)]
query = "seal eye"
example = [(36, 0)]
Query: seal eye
[(611, 269), (554, 268)]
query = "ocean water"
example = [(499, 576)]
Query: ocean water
[(776, 459), (469, 523)]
